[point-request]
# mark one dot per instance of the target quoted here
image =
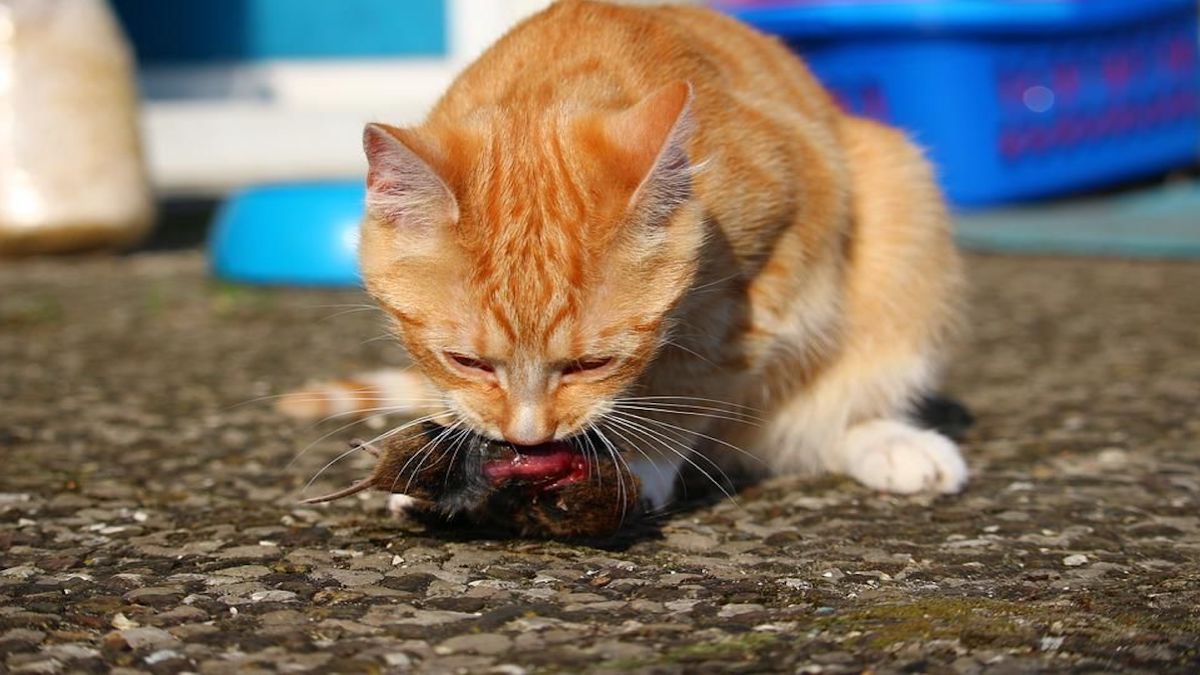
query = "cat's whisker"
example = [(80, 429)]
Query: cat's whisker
[(335, 460), (667, 341), (708, 401), (577, 442), (696, 411), (306, 396), (366, 446), (681, 404), (400, 409), (642, 451), (459, 442), (685, 454), (269, 397), (657, 469), (386, 435), (421, 452), (344, 312), (377, 338), (652, 440), (342, 305), (714, 439), (722, 280), (326, 436), (595, 457), (668, 411), (616, 456), (433, 445)]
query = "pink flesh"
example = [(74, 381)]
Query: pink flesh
[(554, 463)]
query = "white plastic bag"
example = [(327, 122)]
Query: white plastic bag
[(72, 175)]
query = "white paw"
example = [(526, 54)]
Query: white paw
[(657, 480), (398, 504), (892, 456)]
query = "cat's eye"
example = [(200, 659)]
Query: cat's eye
[(470, 362), (587, 364)]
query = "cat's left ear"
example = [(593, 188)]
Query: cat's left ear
[(650, 138), (403, 188)]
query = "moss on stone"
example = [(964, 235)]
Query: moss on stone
[(973, 621)]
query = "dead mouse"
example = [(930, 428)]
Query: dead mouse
[(555, 490)]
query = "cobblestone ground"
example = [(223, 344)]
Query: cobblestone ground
[(148, 514)]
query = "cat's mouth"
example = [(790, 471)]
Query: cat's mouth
[(549, 466)]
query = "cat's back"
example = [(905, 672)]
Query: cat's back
[(765, 130), (588, 53)]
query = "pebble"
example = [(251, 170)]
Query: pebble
[(480, 643), (20, 572), (68, 651), (691, 541), (1075, 560), (398, 660), (122, 622), (736, 609), (352, 578), (681, 605), (178, 615), (237, 574), (38, 664), (23, 636), (1050, 644), (156, 596), (273, 596), (254, 552), (138, 638)]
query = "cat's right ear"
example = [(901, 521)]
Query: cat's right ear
[(402, 186)]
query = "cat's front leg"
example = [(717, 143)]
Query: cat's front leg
[(888, 453)]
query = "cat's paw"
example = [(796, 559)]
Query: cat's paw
[(894, 457), (389, 391), (398, 504), (656, 481)]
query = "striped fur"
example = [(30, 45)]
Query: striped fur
[(669, 190)]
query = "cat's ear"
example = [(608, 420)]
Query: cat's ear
[(651, 137), (402, 186)]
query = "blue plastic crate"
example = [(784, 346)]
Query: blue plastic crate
[(1013, 100)]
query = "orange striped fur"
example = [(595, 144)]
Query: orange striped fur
[(619, 202)]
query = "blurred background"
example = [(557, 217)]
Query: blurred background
[(248, 112)]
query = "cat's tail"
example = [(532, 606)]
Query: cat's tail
[(385, 392)]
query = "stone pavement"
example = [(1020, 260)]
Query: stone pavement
[(148, 516)]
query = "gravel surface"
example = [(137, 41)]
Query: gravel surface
[(149, 518)]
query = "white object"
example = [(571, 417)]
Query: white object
[(305, 117), (71, 173)]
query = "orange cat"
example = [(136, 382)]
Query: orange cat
[(655, 222)]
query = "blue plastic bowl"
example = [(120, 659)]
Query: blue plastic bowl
[(297, 234)]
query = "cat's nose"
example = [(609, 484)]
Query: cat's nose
[(527, 426), (527, 437)]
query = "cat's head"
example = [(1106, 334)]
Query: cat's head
[(531, 258)]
